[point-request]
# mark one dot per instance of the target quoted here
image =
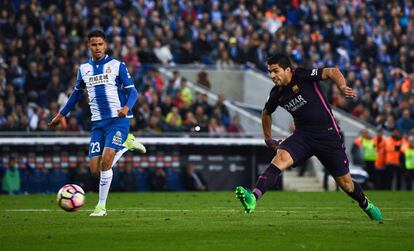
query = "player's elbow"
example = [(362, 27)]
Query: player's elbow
[(265, 113), (330, 72)]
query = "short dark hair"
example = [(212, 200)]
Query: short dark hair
[(96, 33), (281, 59)]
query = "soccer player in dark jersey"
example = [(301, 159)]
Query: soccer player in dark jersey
[(316, 134)]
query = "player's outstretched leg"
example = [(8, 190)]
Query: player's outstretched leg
[(373, 212), (354, 190), (131, 144), (264, 182), (134, 145), (247, 199)]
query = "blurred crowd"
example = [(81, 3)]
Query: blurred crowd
[(41, 42)]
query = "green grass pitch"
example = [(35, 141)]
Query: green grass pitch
[(210, 221)]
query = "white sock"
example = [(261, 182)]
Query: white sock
[(118, 155), (104, 185)]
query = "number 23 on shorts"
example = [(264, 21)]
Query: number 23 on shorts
[(94, 147)]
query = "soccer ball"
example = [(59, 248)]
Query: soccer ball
[(70, 197)]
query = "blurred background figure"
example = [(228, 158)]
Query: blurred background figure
[(379, 174), (393, 169), (157, 180), (408, 162), (127, 178), (369, 153), (81, 177), (192, 180), (11, 177), (235, 126)]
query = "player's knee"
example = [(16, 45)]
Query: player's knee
[(282, 160)]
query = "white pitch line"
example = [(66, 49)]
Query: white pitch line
[(214, 209)]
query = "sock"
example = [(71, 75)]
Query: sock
[(104, 185), (266, 180), (359, 196), (118, 155)]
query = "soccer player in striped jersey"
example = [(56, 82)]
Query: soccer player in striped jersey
[(112, 95), (316, 134)]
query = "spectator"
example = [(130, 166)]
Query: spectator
[(202, 79), (23, 125), (163, 52), (235, 126), (174, 120), (10, 124), (186, 95), (215, 127), (224, 61), (190, 122), (405, 123), (73, 125), (16, 73)]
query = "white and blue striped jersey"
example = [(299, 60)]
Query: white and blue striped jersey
[(106, 81)]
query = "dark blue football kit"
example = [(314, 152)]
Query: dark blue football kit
[(316, 131)]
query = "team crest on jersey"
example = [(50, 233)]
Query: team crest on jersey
[(117, 139), (108, 69), (295, 88)]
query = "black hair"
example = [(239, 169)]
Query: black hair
[(281, 59), (96, 33)]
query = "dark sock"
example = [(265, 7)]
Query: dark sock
[(266, 180), (359, 196)]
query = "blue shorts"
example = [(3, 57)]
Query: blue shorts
[(327, 146), (110, 133)]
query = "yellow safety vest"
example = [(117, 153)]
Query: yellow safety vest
[(409, 159), (369, 149)]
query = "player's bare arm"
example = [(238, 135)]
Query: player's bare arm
[(336, 75), (56, 120), (267, 131)]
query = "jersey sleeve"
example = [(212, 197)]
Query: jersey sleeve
[(124, 76), (80, 84), (272, 102), (309, 75)]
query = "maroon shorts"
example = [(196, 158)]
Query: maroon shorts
[(326, 145)]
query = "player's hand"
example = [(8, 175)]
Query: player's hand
[(347, 91), (56, 120), (123, 112), (273, 144)]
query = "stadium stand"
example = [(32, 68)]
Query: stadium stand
[(41, 44)]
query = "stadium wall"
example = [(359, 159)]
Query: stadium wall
[(223, 162)]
